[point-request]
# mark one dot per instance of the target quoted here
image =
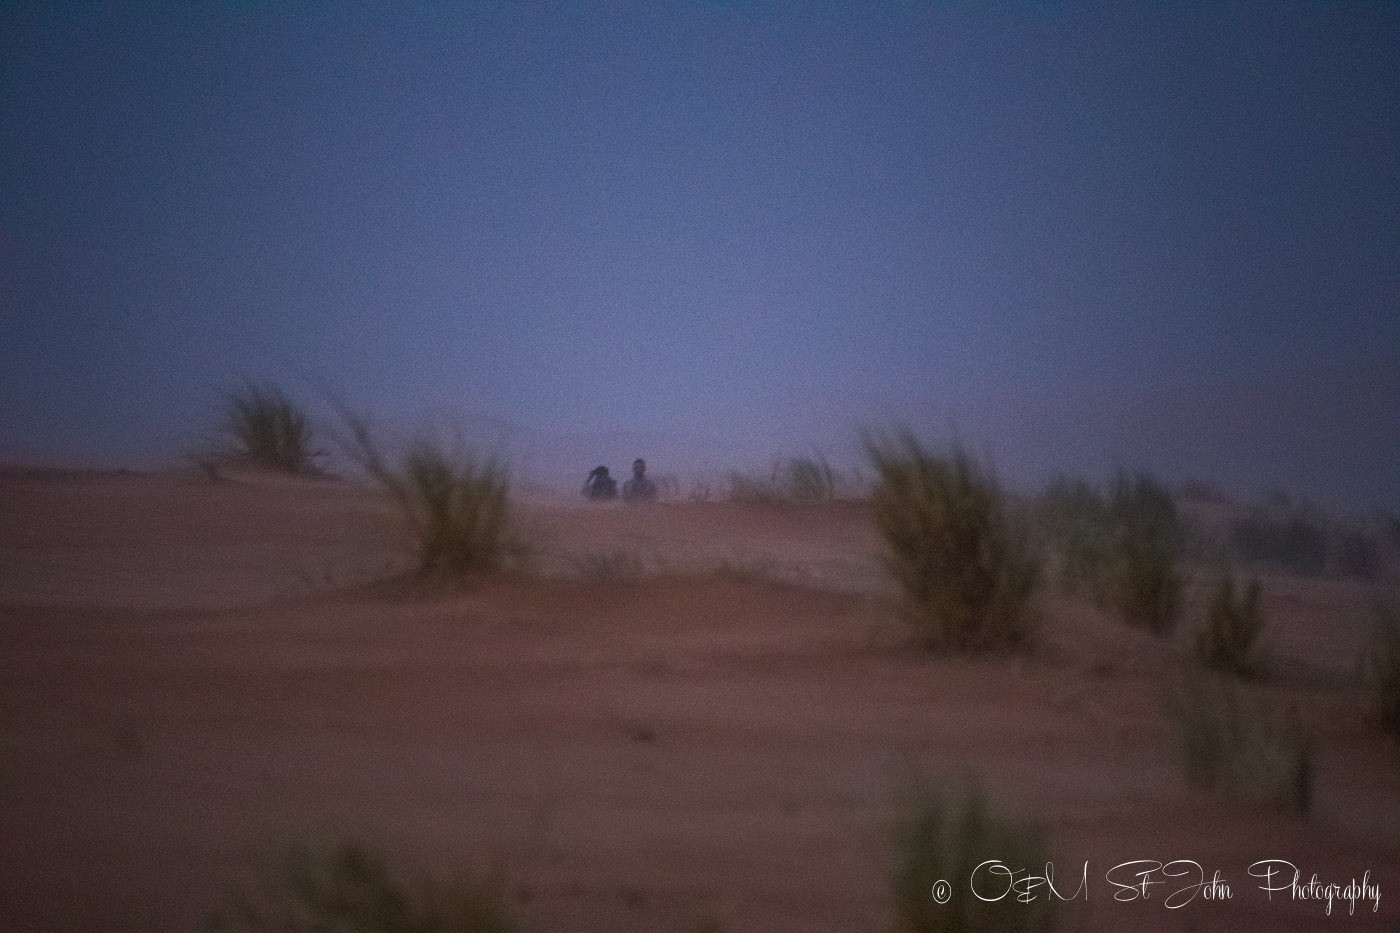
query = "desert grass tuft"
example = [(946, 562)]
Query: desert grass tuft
[(457, 506), (265, 428), (1382, 665), (965, 571), (1229, 641), (946, 835), (1244, 749), (350, 889)]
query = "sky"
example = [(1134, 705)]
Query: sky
[(1075, 237)]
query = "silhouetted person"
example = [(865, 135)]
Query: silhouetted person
[(638, 488), (599, 487)]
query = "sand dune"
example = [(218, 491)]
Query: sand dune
[(193, 674)]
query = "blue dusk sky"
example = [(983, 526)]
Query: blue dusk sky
[(1076, 236)]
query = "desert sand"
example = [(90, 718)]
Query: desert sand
[(721, 723)]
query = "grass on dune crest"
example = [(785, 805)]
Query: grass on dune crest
[(457, 506), (966, 571), (265, 428)]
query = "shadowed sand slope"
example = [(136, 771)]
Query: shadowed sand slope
[(639, 753)]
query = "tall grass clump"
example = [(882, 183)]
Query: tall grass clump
[(267, 429), (350, 889), (457, 506), (945, 837), (1243, 749), (1229, 641), (1382, 665), (1144, 587), (965, 571)]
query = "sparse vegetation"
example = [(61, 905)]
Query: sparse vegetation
[(944, 839), (1229, 640), (264, 428), (1145, 589), (1382, 665), (1244, 749), (350, 889), (753, 490), (457, 507), (1354, 553), (791, 479), (1076, 517), (966, 573), (1290, 537), (608, 566), (807, 479), (1118, 550)]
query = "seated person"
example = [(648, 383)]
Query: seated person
[(639, 488), (599, 487)]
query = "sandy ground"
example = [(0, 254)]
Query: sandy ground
[(686, 711)]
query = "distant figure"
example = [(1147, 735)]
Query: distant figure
[(639, 488), (600, 487)]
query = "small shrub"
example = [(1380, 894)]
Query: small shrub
[(944, 839), (1244, 749), (349, 889), (1145, 587), (268, 430), (966, 573), (1229, 640), (457, 507), (1382, 665)]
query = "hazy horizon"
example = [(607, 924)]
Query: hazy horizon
[(1077, 237)]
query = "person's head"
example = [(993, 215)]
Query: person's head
[(639, 467), (599, 471)]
